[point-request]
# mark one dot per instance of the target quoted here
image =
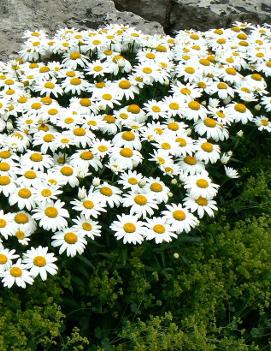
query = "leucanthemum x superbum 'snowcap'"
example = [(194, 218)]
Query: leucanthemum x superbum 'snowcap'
[(120, 137)]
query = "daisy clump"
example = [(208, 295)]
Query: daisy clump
[(114, 132)]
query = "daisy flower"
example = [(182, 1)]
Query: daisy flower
[(91, 206), (200, 205), (140, 204), (16, 274), (86, 227), (70, 242), (51, 216), (159, 230), (109, 194), (206, 151), (128, 228), (231, 172), (40, 262), (180, 219), (201, 185), (6, 258)]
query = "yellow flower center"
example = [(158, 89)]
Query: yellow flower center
[(24, 193), (36, 106), (4, 180), (150, 55), (173, 126), (185, 91), (123, 115), (128, 135), (79, 131), (16, 272), (204, 62), (231, 71), (97, 68), (159, 229), (66, 171), (100, 85), (220, 114), (102, 148), (46, 192), (209, 122), (190, 70), (208, 147), (75, 55), (107, 97), (268, 64), (179, 215), (156, 187), (194, 105), (140, 200), (52, 112), (3, 223), (133, 108), (70, 238), (264, 122), (202, 183), (256, 76), (46, 100), (44, 69), (161, 48), (109, 119), (106, 191), (85, 102), (9, 81), (166, 146), (243, 43), (51, 212), (96, 42), (30, 174), (39, 261), (3, 259), (20, 235), (132, 181), (21, 218), (48, 138), (174, 106), (88, 204), (124, 84), (190, 160), (75, 81), (36, 157), (202, 201), (126, 152), (4, 166), (202, 85), (49, 85), (86, 155), (156, 109), (222, 85), (87, 226), (240, 108), (129, 227), (147, 70), (22, 99), (182, 142)]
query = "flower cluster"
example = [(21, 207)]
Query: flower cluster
[(113, 131)]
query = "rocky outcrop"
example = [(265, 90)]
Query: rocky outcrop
[(198, 14), (16, 16)]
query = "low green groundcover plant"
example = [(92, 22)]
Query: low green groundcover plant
[(114, 134)]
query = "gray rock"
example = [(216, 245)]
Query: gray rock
[(199, 14), (16, 16)]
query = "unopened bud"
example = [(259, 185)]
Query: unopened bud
[(82, 193)]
